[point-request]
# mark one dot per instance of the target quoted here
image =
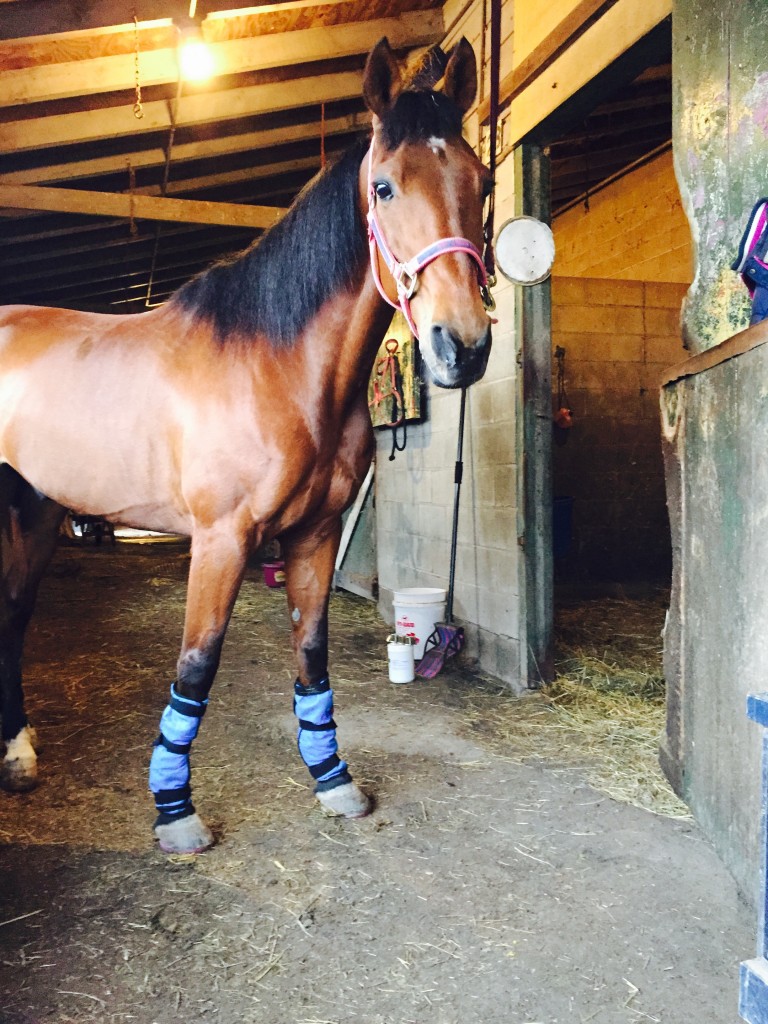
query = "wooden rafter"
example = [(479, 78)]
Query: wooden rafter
[(159, 67), (228, 104), (116, 204), (204, 149)]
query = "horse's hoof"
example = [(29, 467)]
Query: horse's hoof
[(18, 775), (187, 835), (347, 800), (18, 772)]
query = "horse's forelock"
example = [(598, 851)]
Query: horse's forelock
[(418, 115)]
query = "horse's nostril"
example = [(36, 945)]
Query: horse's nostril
[(445, 345)]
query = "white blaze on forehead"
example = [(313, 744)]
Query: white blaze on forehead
[(436, 145)]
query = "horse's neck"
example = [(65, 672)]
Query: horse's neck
[(339, 348)]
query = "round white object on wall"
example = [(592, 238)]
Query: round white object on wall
[(525, 250)]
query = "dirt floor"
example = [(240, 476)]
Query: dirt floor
[(494, 883)]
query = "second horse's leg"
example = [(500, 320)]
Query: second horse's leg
[(216, 571), (310, 558), (29, 526)]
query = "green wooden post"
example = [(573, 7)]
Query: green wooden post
[(534, 321)]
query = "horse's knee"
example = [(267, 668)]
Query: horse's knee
[(196, 671), (18, 771)]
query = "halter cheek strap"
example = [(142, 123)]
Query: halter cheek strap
[(406, 275)]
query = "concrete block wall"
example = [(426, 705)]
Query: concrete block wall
[(619, 337), (634, 230)]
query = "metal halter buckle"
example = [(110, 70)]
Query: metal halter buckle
[(407, 283), (485, 293)]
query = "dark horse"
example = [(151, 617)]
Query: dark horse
[(236, 413)]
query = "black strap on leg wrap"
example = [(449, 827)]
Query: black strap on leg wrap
[(174, 803), (321, 686), (196, 710), (173, 748), (338, 780), (315, 726), (317, 770)]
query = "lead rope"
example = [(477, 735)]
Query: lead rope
[(488, 256)]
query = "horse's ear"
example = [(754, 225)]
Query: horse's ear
[(382, 81), (460, 83)]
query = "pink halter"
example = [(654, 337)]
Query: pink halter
[(406, 275)]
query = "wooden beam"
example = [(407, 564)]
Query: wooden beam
[(624, 24), (119, 121), (200, 150), (115, 204), (575, 22), (242, 174), (235, 56)]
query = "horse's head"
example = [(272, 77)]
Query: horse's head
[(426, 189)]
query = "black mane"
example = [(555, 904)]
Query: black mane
[(277, 285)]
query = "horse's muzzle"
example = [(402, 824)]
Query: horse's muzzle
[(455, 364)]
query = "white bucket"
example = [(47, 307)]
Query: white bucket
[(417, 609), (402, 668)]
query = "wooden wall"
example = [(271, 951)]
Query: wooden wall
[(715, 421)]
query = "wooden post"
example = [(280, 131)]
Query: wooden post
[(534, 314)]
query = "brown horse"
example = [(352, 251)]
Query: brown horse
[(236, 413)]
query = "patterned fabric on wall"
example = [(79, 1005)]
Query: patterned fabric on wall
[(394, 387)]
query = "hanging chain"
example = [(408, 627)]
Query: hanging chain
[(322, 136), (138, 110), (132, 199)]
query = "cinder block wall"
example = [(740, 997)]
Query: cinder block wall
[(634, 230), (415, 493), (623, 267), (618, 336)]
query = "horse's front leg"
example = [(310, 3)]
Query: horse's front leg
[(309, 563), (216, 571)]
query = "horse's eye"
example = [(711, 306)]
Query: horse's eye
[(383, 190)]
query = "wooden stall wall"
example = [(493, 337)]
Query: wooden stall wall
[(716, 644), (715, 420)]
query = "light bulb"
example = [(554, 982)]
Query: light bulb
[(195, 58)]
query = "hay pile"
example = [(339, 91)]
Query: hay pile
[(604, 712)]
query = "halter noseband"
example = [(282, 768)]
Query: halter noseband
[(406, 275)]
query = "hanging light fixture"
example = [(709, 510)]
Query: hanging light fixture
[(196, 62)]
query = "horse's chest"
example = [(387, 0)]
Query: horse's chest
[(329, 476)]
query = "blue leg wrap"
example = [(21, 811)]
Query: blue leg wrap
[(313, 706), (169, 767)]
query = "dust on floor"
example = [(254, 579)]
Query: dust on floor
[(494, 882)]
